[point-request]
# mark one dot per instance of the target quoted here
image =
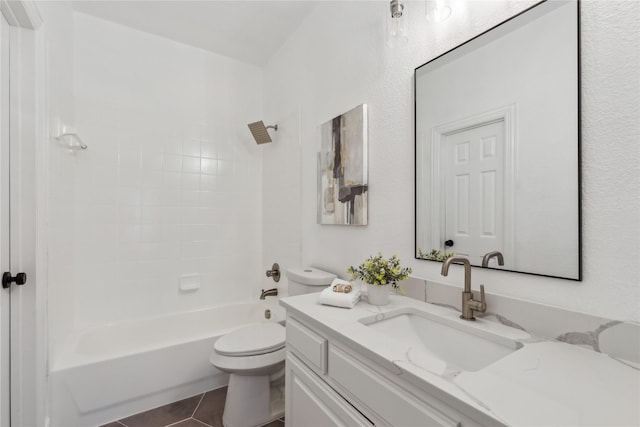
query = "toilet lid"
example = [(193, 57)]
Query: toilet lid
[(258, 338)]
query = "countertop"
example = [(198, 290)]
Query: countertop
[(544, 382)]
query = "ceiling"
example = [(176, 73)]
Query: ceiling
[(250, 31)]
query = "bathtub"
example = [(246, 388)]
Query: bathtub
[(113, 371)]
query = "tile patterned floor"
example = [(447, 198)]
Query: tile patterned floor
[(203, 410)]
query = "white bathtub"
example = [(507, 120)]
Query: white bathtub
[(113, 371)]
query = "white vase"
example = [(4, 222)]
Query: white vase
[(378, 295)]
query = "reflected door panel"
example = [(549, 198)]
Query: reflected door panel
[(474, 194)]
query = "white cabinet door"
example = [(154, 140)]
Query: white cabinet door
[(311, 403), (393, 404)]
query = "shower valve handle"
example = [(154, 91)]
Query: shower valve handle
[(274, 273)]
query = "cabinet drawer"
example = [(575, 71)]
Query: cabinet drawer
[(307, 344), (311, 403), (390, 402)]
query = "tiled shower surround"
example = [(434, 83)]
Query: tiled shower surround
[(169, 186)]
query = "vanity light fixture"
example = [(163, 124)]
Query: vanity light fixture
[(438, 10), (397, 24)]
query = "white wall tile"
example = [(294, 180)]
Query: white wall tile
[(225, 167), (190, 181), (171, 162), (151, 178), (209, 183), (172, 215), (146, 202), (129, 196), (129, 157), (172, 146), (191, 164), (171, 180), (209, 166), (191, 147), (151, 162), (129, 176), (208, 149), (190, 198)]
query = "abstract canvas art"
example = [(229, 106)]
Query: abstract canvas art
[(342, 169)]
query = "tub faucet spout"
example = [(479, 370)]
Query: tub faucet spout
[(268, 293)]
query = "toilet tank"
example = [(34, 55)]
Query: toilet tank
[(308, 280)]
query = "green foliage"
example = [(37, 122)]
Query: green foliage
[(434, 255), (379, 271)]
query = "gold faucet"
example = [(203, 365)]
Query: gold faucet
[(469, 305)]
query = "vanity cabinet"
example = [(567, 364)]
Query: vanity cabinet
[(329, 384), (312, 403)]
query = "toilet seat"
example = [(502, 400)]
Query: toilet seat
[(252, 340)]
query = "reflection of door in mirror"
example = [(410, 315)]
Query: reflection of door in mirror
[(473, 196)]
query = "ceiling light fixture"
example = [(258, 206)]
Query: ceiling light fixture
[(397, 24)]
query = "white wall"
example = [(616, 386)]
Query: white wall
[(338, 59)]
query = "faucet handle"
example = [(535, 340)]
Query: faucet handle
[(483, 302), (274, 273), (494, 254)]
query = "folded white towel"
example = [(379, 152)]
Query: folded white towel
[(339, 299)]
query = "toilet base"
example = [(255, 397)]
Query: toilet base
[(252, 401)]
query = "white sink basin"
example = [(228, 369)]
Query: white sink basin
[(460, 346)]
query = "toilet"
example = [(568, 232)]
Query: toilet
[(308, 280), (254, 357)]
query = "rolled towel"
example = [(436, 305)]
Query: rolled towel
[(342, 288), (339, 299)]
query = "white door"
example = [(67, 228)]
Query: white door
[(474, 191), (5, 294)]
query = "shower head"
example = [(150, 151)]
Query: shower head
[(259, 132)]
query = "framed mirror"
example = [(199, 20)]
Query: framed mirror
[(497, 138)]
